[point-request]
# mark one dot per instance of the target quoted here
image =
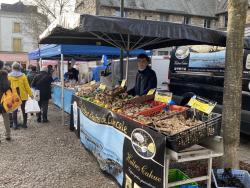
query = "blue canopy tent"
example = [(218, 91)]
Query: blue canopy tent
[(81, 52), (78, 52)]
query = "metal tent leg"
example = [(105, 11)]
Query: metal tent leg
[(62, 94)]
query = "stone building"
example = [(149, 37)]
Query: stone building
[(202, 13), (20, 26)]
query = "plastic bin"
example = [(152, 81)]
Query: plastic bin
[(157, 107), (177, 175), (242, 175), (194, 135)]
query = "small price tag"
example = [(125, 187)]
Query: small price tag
[(151, 92), (92, 82), (202, 104), (123, 83), (102, 86), (163, 97)]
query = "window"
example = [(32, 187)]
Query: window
[(164, 18), (225, 20), (16, 27), (17, 44), (187, 20), (118, 13), (148, 17), (207, 23)]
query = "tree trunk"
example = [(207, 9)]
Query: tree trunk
[(231, 114)]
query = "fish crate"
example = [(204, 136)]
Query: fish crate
[(242, 175), (156, 108), (210, 126)]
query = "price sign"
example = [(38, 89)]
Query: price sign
[(102, 86), (123, 83), (202, 104), (151, 92), (92, 82), (163, 97)]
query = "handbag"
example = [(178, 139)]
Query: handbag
[(36, 94), (32, 106), (10, 100)]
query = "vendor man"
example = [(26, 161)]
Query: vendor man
[(72, 74), (145, 78)]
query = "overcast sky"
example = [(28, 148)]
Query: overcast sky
[(8, 1)]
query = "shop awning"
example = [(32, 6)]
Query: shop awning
[(79, 52), (11, 57), (127, 33)]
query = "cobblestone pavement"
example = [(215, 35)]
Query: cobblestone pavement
[(48, 156)]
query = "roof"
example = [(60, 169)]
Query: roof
[(18, 7), (206, 8), (222, 6)]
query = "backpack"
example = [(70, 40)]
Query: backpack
[(10, 101)]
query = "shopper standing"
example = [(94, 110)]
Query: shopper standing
[(42, 82), (31, 75), (4, 86), (19, 82)]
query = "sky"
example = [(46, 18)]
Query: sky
[(8, 1)]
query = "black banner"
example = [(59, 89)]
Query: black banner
[(143, 148)]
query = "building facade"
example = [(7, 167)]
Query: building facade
[(17, 33), (202, 13)]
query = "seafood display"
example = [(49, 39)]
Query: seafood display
[(170, 120), (176, 124)]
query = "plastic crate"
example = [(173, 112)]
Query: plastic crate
[(157, 107), (242, 175), (177, 108), (177, 175), (194, 135)]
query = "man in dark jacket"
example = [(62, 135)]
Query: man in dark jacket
[(42, 82), (31, 75), (145, 79)]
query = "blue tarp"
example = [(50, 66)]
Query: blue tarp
[(79, 52), (56, 97)]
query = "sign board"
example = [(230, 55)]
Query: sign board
[(163, 97), (123, 84), (130, 152), (92, 82), (102, 86), (202, 104), (151, 92)]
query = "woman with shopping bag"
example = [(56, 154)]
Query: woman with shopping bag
[(42, 82), (19, 83)]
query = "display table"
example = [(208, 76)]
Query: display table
[(134, 154), (57, 95)]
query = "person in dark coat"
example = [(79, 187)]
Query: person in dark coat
[(4, 86), (31, 75), (145, 78), (42, 82), (72, 74)]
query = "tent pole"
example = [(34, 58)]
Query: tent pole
[(113, 73), (62, 83), (40, 64), (127, 58), (121, 52)]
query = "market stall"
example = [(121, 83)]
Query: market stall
[(129, 136), (135, 139), (78, 52)]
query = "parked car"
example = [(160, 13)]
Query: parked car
[(203, 74)]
